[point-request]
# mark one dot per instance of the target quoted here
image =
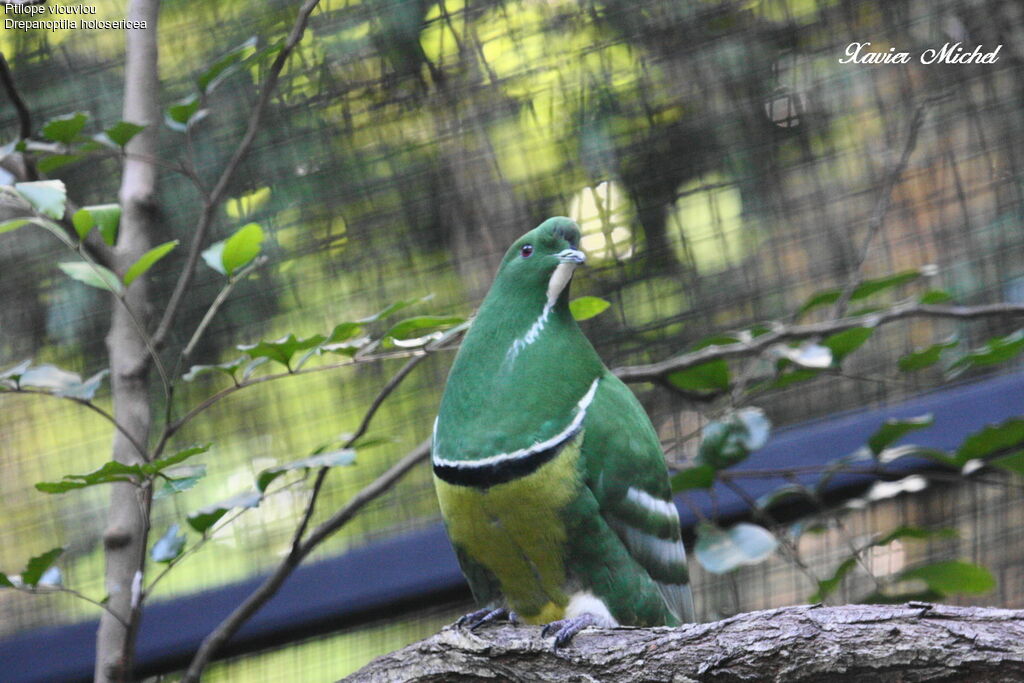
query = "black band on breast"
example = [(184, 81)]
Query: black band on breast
[(485, 476)]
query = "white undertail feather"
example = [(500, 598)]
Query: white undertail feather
[(586, 602), (572, 428)]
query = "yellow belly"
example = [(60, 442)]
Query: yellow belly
[(515, 530)]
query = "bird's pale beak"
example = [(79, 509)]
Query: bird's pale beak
[(572, 256)]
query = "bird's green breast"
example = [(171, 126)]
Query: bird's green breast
[(516, 530)]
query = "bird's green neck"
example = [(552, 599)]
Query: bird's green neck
[(520, 347)]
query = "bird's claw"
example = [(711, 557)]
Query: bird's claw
[(474, 620), (565, 629)]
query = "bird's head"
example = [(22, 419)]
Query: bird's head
[(543, 259)]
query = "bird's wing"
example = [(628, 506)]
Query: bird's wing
[(625, 469)]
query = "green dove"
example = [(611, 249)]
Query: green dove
[(549, 474)]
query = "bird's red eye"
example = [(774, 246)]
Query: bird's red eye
[(526, 250)]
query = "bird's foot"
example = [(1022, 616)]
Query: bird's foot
[(565, 629), (476, 619)]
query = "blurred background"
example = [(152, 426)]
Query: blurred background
[(723, 164)]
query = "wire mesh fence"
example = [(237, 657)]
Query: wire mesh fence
[(722, 160)]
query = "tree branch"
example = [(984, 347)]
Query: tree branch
[(877, 218), (656, 372), (272, 583), (217, 193), (911, 642)]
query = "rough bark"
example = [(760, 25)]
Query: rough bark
[(863, 643), (128, 517)]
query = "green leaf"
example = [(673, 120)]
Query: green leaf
[(935, 296), (108, 473), (914, 533), (181, 456), (823, 298), (343, 332), (893, 429), (787, 493), (169, 546), (711, 377), (214, 255), (391, 309), (38, 565), (793, 377), (345, 456), (863, 291), (13, 224), (84, 391), (65, 128), (998, 350), (92, 275), (924, 358), (44, 196), (992, 440), (225, 65), (241, 248), (869, 287), (51, 163), (806, 355), (729, 441), (721, 550), (828, 586), (180, 479), (119, 134), (953, 577), (183, 113), (843, 343), (586, 307), (147, 260), (203, 519), (409, 327), (49, 377), (229, 368), (697, 477), (5, 582), (15, 372), (281, 350), (106, 216)]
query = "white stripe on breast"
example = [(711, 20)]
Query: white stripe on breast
[(577, 421)]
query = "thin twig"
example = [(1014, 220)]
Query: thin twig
[(227, 628), (881, 209), (378, 400), (215, 306), (220, 188), (49, 590)]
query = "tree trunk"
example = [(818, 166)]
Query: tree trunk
[(128, 518), (863, 643)]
